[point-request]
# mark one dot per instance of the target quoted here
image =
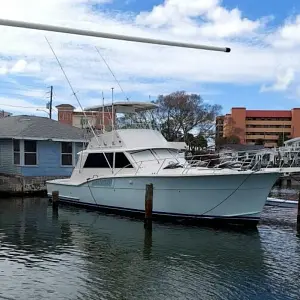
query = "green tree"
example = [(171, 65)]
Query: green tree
[(281, 139), (200, 141), (259, 142), (220, 141), (233, 139), (196, 143)]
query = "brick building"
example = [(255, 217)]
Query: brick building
[(67, 115), (253, 125)]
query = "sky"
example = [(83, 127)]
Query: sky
[(262, 71)]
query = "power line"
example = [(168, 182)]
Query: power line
[(10, 85), (19, 106), (3, 94)]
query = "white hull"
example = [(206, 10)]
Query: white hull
[(239, 197)]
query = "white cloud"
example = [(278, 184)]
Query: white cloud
[(3, 70), (283, 80), (41, 94), (173, 11), (144, 69), (219, 22), (226, 23), (287, 36), (19, 66), (22, 66)]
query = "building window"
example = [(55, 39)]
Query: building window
[(67, 154), (17, 155), (84, 122), (30, 153)]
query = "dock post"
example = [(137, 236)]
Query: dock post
[(148, 205), (298, 214), (55, 198), (280, 182), (147, 243)]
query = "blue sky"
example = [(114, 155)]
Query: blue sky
[(261, 72)]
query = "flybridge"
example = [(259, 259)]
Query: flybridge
[(45, 27), (124, 107)]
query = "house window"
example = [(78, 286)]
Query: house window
[(30, 153), (17, 156), (67, 154)]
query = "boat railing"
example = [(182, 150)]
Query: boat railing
[(137, 125), (245, 162)]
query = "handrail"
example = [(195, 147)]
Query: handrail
[(246, 162)]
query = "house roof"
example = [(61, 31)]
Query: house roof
[(39, 128), (65, 106)]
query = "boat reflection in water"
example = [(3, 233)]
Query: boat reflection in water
[(78, 254), (174, 261)]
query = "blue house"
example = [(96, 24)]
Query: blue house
[(35, 149)]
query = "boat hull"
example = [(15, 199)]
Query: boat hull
[(224, 198)]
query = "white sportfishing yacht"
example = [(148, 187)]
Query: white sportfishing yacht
[(112, 172)]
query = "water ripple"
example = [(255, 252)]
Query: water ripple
[(77, 254)]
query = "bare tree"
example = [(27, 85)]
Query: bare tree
[(179, 113)]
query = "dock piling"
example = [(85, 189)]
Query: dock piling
[(148, 205), (55, 198)]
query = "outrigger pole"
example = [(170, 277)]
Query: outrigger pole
[(44, 27)]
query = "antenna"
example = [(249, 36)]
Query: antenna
[(112, 73), (112, 108), (77, 99), (103, 119), (70, 85)]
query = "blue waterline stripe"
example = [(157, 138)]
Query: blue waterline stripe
[(158, 213)]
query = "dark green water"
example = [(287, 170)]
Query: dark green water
[(77, 254)]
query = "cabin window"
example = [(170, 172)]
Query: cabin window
[(98, 160), (17, 156), (142, 156), (30, 153), (165, 153), (121, 161), (66, 153)]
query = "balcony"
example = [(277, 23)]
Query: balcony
[(263, 137), (266, 122), (267, 130)]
